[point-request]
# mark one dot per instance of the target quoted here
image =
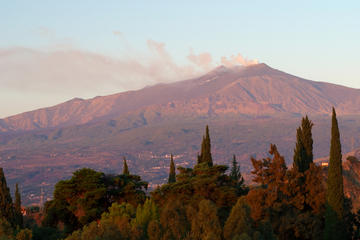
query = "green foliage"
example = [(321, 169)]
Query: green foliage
[(125, 188), (154, 230), (125, 168), (293, 202), (46, 233), (205, 223), (303, 152), (17, 208), (116, 224), (205, 155), (240, 221), (6, 231), (202, 182), (353, 221), (243, 236), (24, 234), (89, 232), (58, 211), (172, 173), (334, 228), (6, 205), (174, 221), (204, 202), (77, 201), (335, 192), (120, 210), (88, 194), (265, 231), (235, 174), (307, 180), (144, 215)]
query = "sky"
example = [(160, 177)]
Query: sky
[(53, 51)]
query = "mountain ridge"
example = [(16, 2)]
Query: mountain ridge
[(246, 108), (254, 90)]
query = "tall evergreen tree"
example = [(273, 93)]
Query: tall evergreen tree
[(303, 152), (205, 155), (125, 168), (235, 174), (172, 173), (17, 207), (6, 204), (235, 171), (334, 228)]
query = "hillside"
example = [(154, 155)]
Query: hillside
[(256, 90), (247, 108)]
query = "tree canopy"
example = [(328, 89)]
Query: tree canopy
[(203, 202)]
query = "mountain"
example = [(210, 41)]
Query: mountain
[(247, 108), (256, 90)]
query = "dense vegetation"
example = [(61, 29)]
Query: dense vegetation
[(208, 201)]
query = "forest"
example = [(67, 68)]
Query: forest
[(206, 202)]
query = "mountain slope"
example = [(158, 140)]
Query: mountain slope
[(247, 108), (254, 91)]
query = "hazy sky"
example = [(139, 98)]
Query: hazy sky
[(52, 51)]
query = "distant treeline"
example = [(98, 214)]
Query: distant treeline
[(206, 202)]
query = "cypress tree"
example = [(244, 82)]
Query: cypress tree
[(172, 173), (205, 156), (235, 171), (125, 168), (6, 205), (334, 228), (18, 214), (303, 152), (307, 138)]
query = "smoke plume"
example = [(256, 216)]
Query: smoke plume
[(236, 60), (202, 60)]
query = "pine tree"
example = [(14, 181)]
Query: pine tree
[(334, 228), (172, 174), (235, 171), (307, 138), (303, 152), (125, 168), (235, 174), (205, 155), (6, 205), (18, 214)]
